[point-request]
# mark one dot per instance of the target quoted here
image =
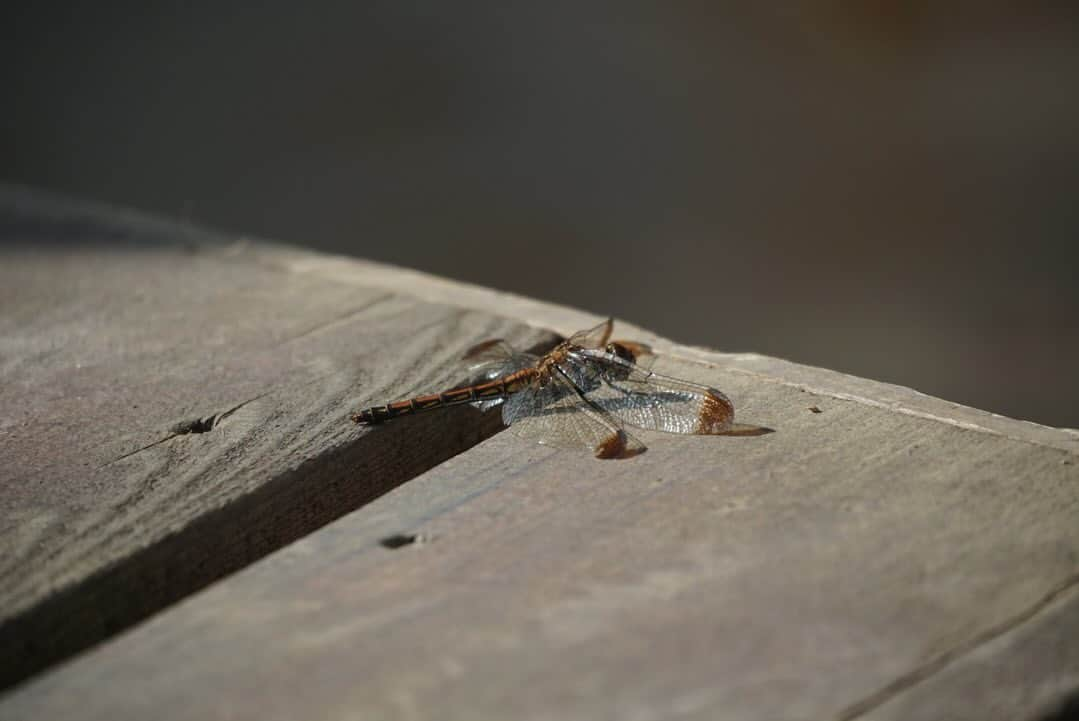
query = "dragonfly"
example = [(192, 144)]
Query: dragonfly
[(581, 394)]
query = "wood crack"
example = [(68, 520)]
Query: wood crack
[(202, 424)]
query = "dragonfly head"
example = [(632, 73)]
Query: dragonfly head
[(621, 350)]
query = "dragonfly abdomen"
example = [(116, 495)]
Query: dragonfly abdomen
[(496, 389)]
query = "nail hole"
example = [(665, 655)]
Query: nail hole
[(398, 540), (815, 409)]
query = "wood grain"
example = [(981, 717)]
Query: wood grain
[(847, 565), (1029, 672), (892, 556), (173, 410)]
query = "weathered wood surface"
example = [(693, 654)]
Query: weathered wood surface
[(834, 569), (891, 557), (121, 338)]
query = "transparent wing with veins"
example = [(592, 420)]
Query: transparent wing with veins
[(581, 393), (596, 337), (599, 338), (645, 399), (558, 414), (493, 359), (594, 388)]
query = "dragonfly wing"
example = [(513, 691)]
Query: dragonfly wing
[(491, 369), (489, 350), (488, 404), (493, 359), (593, 337), (649, 400), (558, 414)]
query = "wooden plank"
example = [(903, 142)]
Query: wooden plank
[(1027, 671), (840, 566), (121, 338), (567, 320)]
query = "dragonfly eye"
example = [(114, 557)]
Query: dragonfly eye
[(617, 349), (618, 371)]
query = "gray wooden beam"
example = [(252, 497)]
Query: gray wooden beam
[(847, 563), (173, 410), (892, 556)]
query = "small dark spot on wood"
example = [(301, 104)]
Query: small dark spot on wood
[(815, 409), (398, 540)]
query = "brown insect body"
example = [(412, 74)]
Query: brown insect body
[(580, 392), (491, 390)]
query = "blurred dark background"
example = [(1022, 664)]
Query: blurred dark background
[(884, 188)]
